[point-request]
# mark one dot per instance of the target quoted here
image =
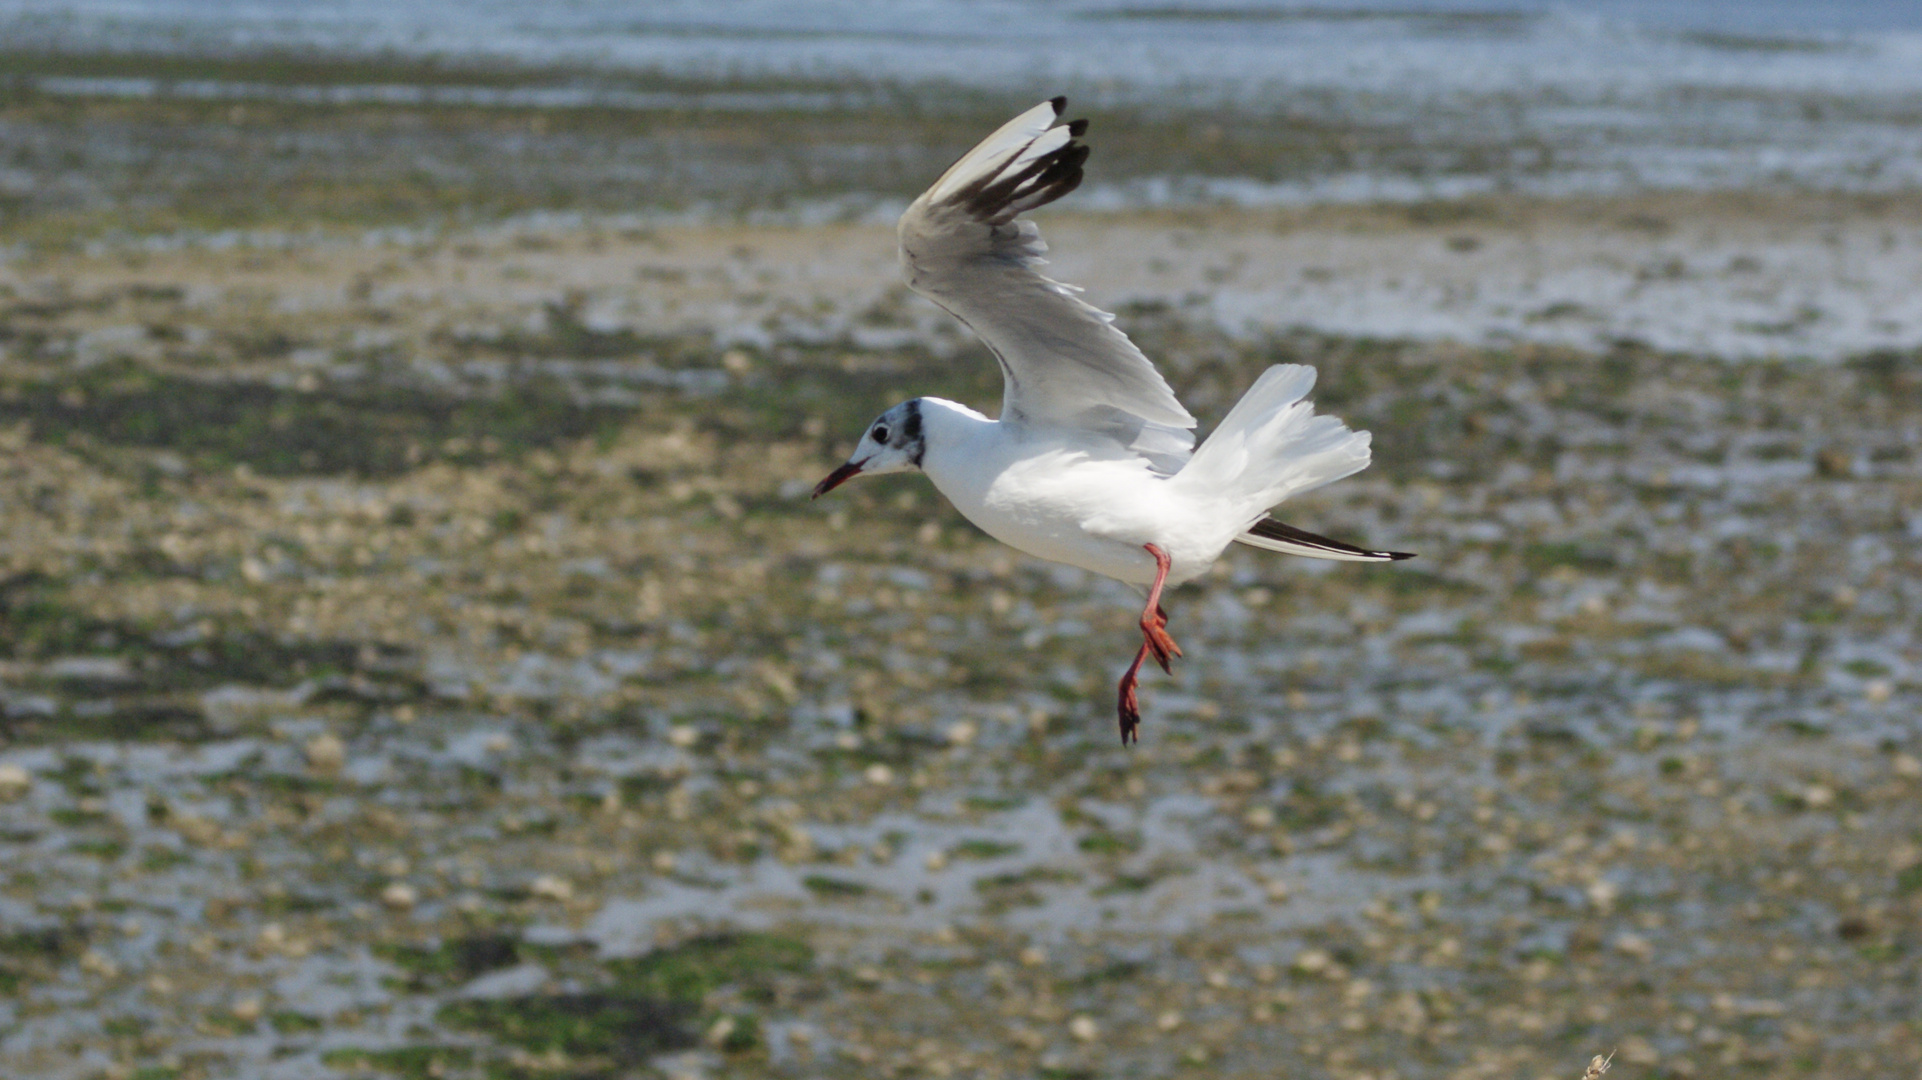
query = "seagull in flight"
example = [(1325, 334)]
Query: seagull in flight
[(1092, 461)]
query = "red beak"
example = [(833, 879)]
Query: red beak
[(836, 478)]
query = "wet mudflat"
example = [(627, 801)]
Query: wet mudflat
[(417, 665)]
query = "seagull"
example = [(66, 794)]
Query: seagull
[(1092, 461)]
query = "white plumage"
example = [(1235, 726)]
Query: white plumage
[(1092, 461)]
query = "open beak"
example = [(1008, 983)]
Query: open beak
[(838, 477)]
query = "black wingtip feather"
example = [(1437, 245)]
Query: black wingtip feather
[(1276, 530), (1078, 128), (998, 199), (1060, 103)]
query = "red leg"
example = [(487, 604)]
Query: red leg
[(1154, 641), (1153, 619)]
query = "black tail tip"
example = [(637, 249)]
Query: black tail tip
[(1397, 556)]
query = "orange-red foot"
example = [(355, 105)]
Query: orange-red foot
[(1157, 642), (1130, 705)]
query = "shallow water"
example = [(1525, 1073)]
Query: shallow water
[(1400, 102)]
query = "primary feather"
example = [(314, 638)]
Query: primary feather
[(1063, 361)]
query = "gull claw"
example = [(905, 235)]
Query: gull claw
[(1160, 645), (1130, 709)]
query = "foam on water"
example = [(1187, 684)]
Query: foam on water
[(1625, 95)]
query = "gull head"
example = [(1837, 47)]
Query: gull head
[(893, 443)]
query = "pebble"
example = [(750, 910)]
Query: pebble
[(1634, 945), (550, 887), (14, 780), (326, 753), (400, 896)]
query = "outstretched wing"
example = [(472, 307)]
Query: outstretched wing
[(1064, 362)]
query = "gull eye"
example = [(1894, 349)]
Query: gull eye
[(880, 433)]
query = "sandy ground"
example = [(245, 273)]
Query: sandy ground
[(421, 659), (1730, 275)]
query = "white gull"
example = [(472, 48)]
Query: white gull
[(1093, 462)]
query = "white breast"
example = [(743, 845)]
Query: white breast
[(1084, 507)]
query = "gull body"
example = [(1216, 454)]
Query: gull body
[(1058, 495), (1092, 461)]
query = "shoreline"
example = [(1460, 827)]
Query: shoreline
[(1736, 275)]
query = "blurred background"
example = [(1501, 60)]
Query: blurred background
[(419, 656)]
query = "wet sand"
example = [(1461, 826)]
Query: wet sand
[(421, 659)]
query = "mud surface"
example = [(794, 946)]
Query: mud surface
[(421, 658)]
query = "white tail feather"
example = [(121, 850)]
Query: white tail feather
[(1271, 446)]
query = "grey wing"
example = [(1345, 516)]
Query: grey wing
[(1064, 362)]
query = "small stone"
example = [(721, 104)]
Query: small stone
[(98, 963), (879, 775), (550, 887), (1818, 796), (663, 862), (736, 362), (1033, 956), (1634, 945), (961, 733), (1084, 1028), (1907, 766), (721, 1031), (1276, 891), (1310, 961), (936, 860), (247, 1010), (1878, 690), (14, 780), (682, 735), (400, 896), (326, 753), (1639, 1051), (1261, 817), (1168, 1021)]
